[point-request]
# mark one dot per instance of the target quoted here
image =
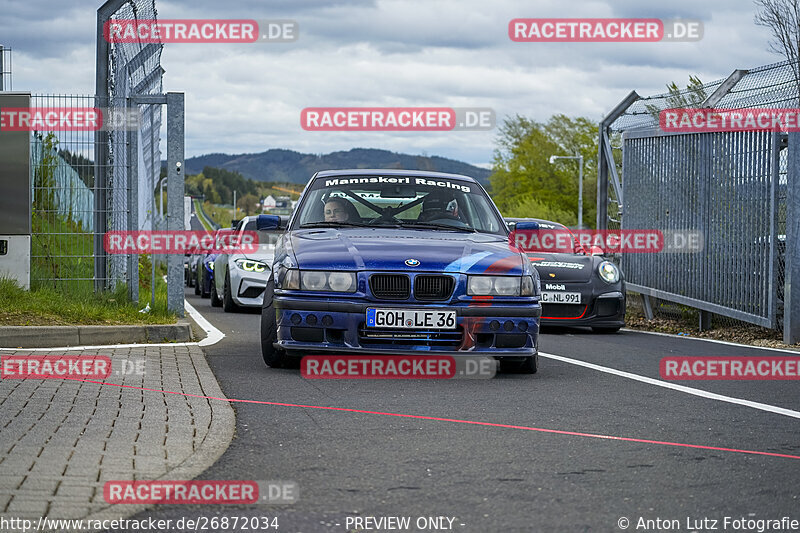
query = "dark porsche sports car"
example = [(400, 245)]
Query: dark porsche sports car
[(579, 288), (399, 262)]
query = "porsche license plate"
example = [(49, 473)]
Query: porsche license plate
[(561, 297), (411, 318)]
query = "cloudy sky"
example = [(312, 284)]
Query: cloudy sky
[(248, 97)]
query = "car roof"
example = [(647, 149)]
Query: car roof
[(539, 220), (391, 172)]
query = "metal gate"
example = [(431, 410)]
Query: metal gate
[(740, 190)]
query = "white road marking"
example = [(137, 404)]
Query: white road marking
[(785, 350), (674, 386), (213, 335)]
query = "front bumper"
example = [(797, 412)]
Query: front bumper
[(247, 288), (317, 326), (605, 309)]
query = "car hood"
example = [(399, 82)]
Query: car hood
[(562, 267), (265, 252), (389, 249)]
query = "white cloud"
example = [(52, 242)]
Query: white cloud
[(248, 98)]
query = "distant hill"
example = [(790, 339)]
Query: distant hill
[(294, 167)]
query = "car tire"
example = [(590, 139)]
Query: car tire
[(203, 284), (228, 305), (197, 289), (273, 357), (529, 366), (215, 301), (606, 331)]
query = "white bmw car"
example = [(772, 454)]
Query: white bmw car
[(240, 278)]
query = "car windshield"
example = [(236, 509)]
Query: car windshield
[(265, 237), (412, 202)]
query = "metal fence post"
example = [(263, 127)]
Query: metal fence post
[(605, 157), (791, 301), (133, 202), (175, 192), (104, 13)]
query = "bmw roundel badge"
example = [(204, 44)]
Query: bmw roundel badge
[(412, 262)]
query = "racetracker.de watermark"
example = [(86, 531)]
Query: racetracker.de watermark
[(604, 30), (56, 367), (397, 367), (730, 368), (564, 241), (68, 366), (698, 120), (397, 119), (201, 31), (68, 119), (179, 242), (201, 492)]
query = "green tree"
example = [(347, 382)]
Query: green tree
[(524, 179), (693, 96), (248, 203)]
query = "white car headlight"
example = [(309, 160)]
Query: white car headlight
[(342, 281), (311, 280), (248, 265), (494, 285), (479, 285), (320, 280), (608, 272), (507, 286)]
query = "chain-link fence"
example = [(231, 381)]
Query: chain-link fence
[(86, 183), (63, 208), (731, 186)]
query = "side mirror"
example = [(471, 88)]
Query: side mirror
[(268, 222), (527, 225)]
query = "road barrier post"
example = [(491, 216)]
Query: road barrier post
[(791, 300), (175, 192)]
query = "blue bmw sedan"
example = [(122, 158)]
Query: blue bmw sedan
[(399, 262)]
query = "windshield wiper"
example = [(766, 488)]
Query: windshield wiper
[(333, 225), (431, 225)]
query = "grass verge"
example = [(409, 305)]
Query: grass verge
[(78, 305)]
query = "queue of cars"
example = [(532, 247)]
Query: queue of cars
[(234, 278), (407, 263)]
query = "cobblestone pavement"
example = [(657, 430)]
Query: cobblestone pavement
[(61, 439)]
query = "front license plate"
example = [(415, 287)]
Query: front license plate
[(561, 297), (411, 318)]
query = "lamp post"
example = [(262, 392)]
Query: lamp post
[(553, 159)]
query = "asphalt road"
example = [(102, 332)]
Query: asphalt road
[(507, 479)]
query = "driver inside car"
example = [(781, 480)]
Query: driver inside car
[(340, 210), (438, 206)]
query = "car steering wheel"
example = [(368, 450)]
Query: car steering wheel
[(443, 216)]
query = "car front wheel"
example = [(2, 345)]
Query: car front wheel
[(215, 301), (273, 357), (528, 366), (228, 305)]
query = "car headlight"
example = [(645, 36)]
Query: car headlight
[(530, 286), (342, 281), (494, 285), (608, 272), (287, 278), (249, 265), (321, 280)]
